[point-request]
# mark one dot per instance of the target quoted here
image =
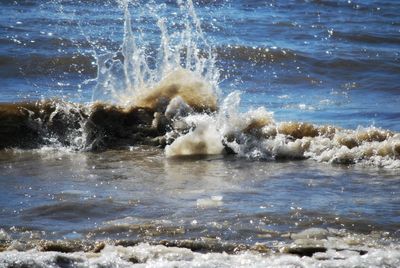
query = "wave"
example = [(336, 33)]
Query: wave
[(359, 6), (39, 64), (28, 3), (36, 64), (181, 114), (54, 43), (255, 54), (366, 38), (173, 103), (344, 65), (256, 135), (265, 55), (102, 125)]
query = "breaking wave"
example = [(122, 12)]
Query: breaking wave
[(175, 103), (256, 135), (190, 124)]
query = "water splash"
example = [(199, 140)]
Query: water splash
[(164, 92), (256, 135), (128, 76)]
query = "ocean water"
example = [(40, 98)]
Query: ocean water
[(199, 134)]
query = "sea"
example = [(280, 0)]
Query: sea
[(209, 133)]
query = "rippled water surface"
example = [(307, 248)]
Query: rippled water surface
[(237, 200), (305, 60)]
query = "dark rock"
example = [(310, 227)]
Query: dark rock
[(134, 260), (99, 247), (305, 251), (205, 245), (59, 246), (64, 262)]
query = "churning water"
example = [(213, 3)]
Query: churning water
[(207, 134)]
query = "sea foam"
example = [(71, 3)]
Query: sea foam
[(145, 255)]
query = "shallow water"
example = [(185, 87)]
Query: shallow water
[(332, 63), (72, 194), (222, 202)]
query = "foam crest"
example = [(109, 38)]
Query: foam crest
[(190, 87), (367, 149), (203, 139), (174, 102), (256, 135), (187, 128), (233, 122), (222, 129)]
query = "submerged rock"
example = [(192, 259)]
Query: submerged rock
[(311, 233), (205, 245), (305, 247), (66, 246), (304, 251)]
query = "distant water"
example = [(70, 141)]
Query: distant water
[(222, 85), (321, 61)]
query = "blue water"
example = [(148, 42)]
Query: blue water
[(328, 62), (325, 62)]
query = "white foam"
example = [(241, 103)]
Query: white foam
[(203, 139), (161, 256), (254, 134), (133, 80), (4, 235), (213, 201)]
